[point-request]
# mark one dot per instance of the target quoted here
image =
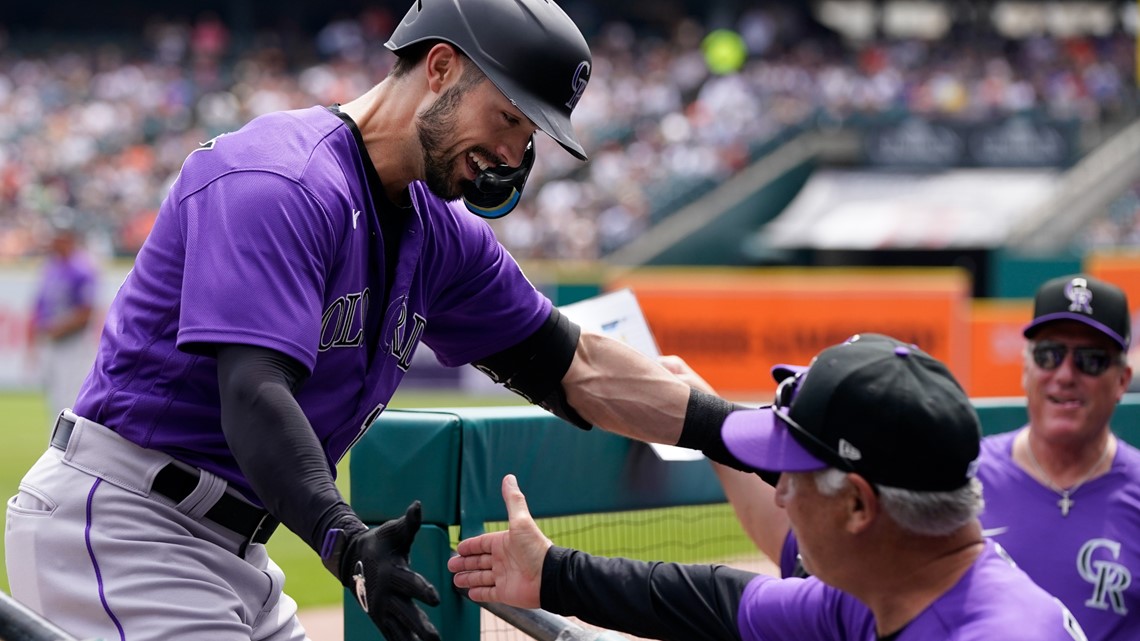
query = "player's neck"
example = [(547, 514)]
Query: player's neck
[(383, 115), (1064, 465), (918, 572)]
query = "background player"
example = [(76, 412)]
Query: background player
[(291, 273), (61, 314)]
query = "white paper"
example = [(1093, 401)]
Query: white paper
[(618, 315)]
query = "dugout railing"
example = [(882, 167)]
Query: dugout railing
[(453, 461)]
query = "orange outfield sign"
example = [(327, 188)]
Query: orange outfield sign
[(733, 325), (1122, 269), (997, 345)]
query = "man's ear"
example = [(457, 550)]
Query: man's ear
[(862, 503), (443, 63)]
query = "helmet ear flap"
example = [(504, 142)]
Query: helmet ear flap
[(495, 192)]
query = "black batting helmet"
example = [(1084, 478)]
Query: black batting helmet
[(530, 49)]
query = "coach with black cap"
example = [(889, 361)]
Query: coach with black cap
[(1063, 492), (876, 446)]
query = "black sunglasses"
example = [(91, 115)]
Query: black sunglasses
[(785, 393), (1093, 361)]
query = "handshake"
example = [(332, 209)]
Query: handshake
[(373, 564)]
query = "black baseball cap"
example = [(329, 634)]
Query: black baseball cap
[(1080, 297), (874, 406)]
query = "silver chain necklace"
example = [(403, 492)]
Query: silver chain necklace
[(1065, 502)]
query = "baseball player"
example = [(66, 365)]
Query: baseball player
[(876, 454), (293, 269), (1062, 494), (61, 314)]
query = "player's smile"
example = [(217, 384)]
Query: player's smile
[(477, 161), (1066, 403)]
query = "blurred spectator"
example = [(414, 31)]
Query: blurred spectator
[(104, 127)]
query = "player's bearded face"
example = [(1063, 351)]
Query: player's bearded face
[(436, 125)]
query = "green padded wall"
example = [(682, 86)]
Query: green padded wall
[(453, 461)]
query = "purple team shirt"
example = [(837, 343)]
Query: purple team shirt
[(270, 237), (993, 600), (1088, 559)]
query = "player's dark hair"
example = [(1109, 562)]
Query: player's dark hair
[(409, 57), (413, 55)]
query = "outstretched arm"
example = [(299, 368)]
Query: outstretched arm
[(504, 567), (753, 500), (521, 567), (619, 389)]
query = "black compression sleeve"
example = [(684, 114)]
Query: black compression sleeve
[(652, 600), (704, 418), (275, 446), (535, 367)]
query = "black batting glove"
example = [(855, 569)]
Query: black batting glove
[(373, 564)]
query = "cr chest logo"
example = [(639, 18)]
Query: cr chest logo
[(1109, 578)]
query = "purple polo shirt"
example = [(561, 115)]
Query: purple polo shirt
[(992, 600), (270, 237), (1088, 559)]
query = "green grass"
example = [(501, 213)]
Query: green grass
[(27, 426)]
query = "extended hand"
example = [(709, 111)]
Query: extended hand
[(373, 564), (504, 567)]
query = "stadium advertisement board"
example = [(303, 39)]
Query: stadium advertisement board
[(1018, 141), (732, 326)]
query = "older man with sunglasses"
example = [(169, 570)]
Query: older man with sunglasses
[(1062, 494)]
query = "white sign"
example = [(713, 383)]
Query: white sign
[(618, 315)]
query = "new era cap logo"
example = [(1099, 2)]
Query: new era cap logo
[(1079, 295), (849, 451)]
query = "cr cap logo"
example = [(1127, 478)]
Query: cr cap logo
[(578, 84), (1079, 295)]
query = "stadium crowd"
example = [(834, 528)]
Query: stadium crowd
[(102, 127)]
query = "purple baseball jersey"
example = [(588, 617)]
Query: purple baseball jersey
[(1089, 558), (271, 237), (993, 600), (65, 284)]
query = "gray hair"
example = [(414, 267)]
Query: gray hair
[(924, 513)]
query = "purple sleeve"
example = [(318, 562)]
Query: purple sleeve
[(486, 304), (804, 609), (274, 239)]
